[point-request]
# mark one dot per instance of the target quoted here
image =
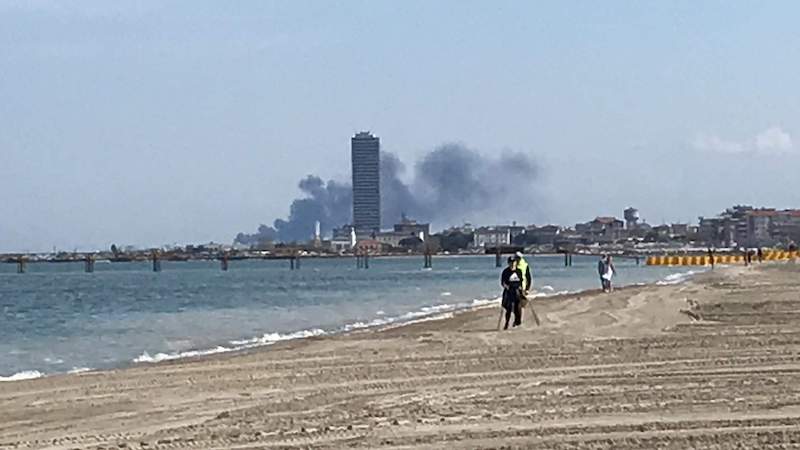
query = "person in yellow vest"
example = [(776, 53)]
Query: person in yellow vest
[(522, 265)]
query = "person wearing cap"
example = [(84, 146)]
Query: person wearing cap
[(523, 266), (512, 280)]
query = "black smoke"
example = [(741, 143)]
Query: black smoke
[(329, 203), (454, 183), (450, 184), (396, 197)]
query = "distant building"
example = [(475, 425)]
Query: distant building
[(391, 238), (758, 226), (745, 226), (317, 235), (544, 235), (679, 229), (491, 237), (365, 155), (785, 226), (631, 218), (601, 229), (467, 228), (663, 230), (411, 227), (369, 246), (406, 229), (342, 240), (516, 230)]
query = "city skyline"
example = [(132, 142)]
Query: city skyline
[(153, 123)]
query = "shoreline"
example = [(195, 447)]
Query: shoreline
[(267, 340), (624, 369)]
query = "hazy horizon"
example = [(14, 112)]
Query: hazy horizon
[(155, 123)]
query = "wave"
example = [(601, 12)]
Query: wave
[(677, 278), (426, 313), (271, 338), (158, 357), (423, 314), (24, 375)]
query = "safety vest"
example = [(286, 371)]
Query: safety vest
[(522, 265)]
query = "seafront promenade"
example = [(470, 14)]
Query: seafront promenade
[(709, 363)]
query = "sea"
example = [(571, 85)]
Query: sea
[(55, 318)]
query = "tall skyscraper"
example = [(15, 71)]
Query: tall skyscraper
[(366, 159)]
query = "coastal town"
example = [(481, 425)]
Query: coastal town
[(736, 228), (365, 202)]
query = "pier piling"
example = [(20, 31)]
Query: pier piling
[(22, 265), (156, 262), (362, 260), (89, 264), (224, 263)]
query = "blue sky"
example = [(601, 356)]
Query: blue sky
[(150, 123)]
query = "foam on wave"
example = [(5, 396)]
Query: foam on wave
[(24, 375), (677, 278)]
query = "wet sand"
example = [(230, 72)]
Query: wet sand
[(710, 363)]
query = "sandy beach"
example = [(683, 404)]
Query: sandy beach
[(710, 363)]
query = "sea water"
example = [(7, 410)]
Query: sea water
[(57, 319)]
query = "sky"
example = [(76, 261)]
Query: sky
[(150, 123)]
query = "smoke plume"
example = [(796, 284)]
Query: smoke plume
[(450, 184)]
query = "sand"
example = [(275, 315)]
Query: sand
[(710, 363)]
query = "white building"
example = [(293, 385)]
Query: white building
[(491, 237)]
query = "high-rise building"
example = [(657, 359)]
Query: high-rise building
[(366, 182)]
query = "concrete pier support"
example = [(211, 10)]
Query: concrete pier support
[(362, 260), (428, 260), (156, 262)]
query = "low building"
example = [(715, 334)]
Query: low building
[(368, 246), (602, 229), (758, 227), (491, 237), (410, 227), (406, 229), (392, 238), (679, 229), (343, 239), (545, 235), (785, 226)]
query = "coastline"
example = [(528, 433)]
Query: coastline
[(438, 312), (601, 368)]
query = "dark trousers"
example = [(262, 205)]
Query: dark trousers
[(516, 306)]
